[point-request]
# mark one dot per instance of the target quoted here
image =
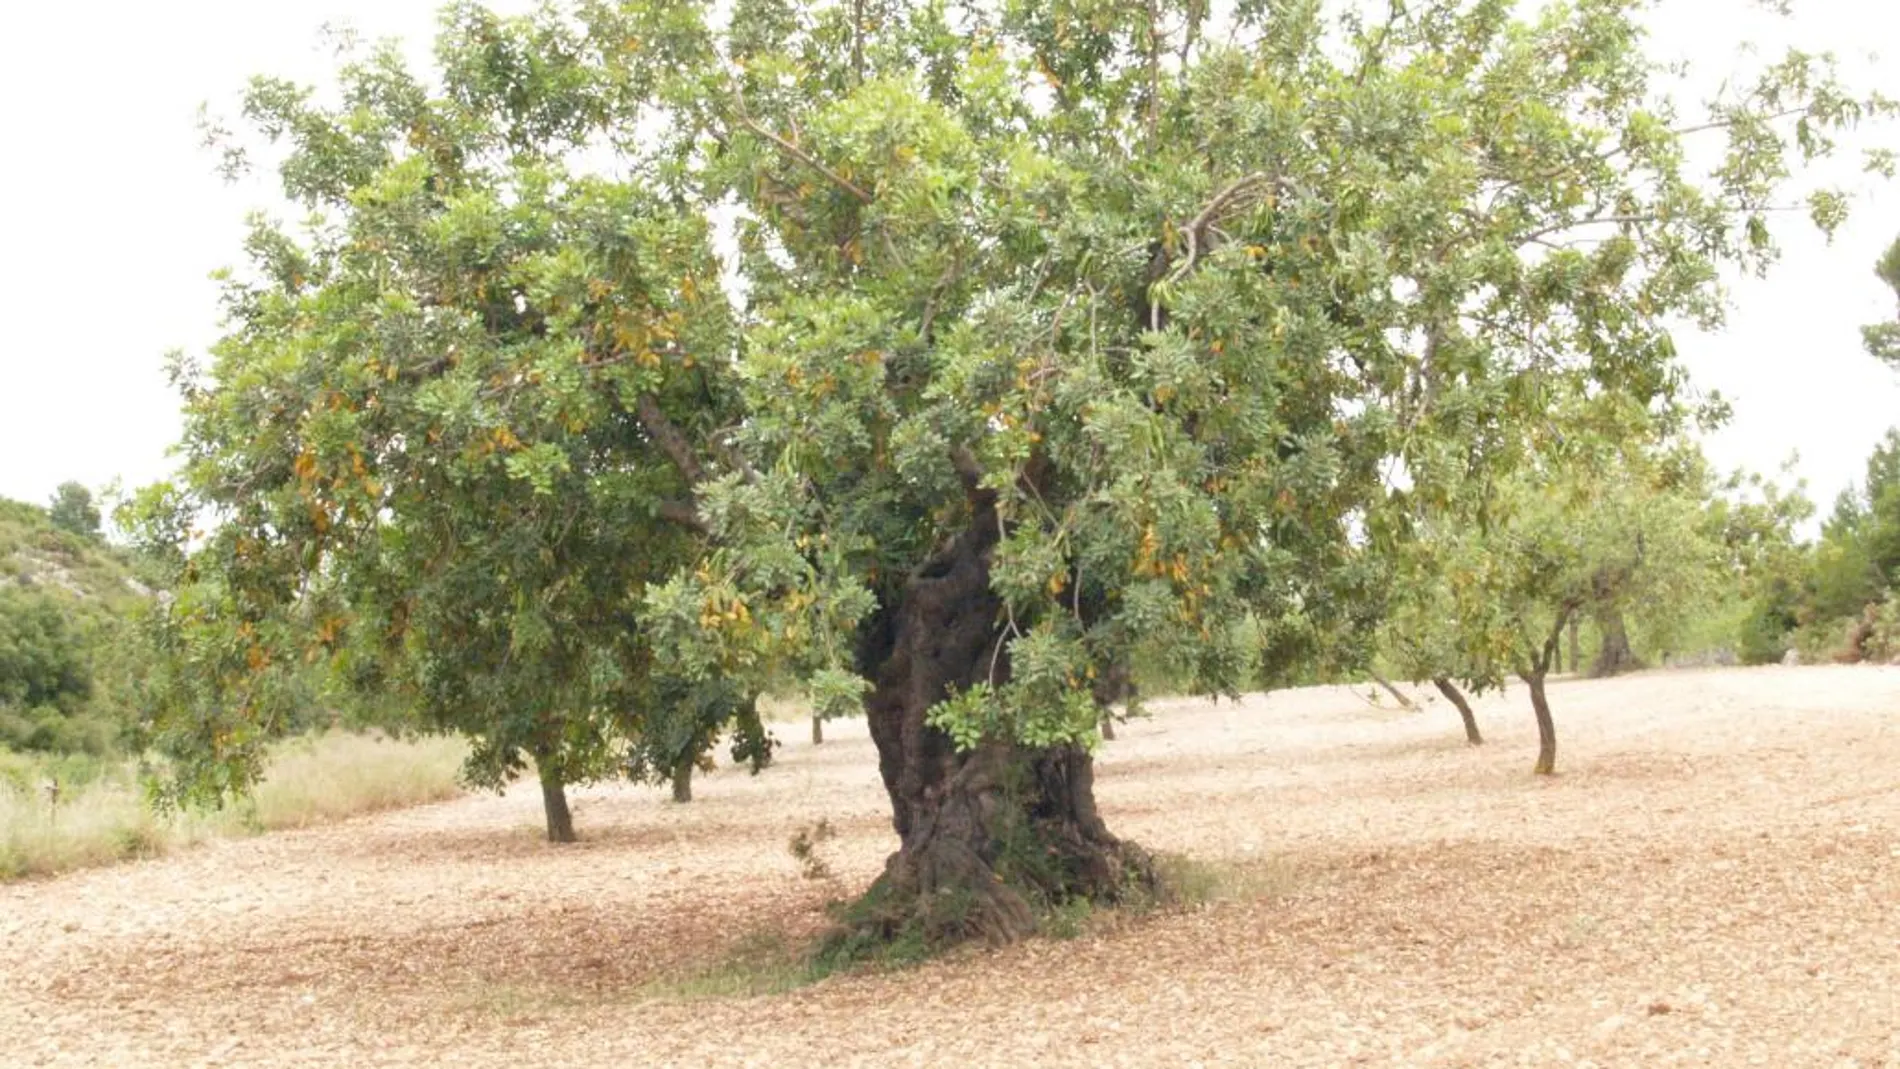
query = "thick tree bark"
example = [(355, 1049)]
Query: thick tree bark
[(1457, 698), (986, 835), (1546, 727), (1404, 702), (817, 731), (683, 781), (1614, 655), (554, 803)]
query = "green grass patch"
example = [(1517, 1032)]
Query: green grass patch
[(764, 962), (1195, 883)]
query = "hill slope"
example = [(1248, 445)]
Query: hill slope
[(35, 555), (65, 601)]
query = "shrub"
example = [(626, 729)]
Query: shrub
[(1765, 633), (1879, 632), (1823, 641)]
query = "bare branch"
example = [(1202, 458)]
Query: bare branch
[(1537, 236), (1197, 226)]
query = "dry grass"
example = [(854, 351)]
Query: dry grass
[(1712, 879), (323, 779), (310, 781)]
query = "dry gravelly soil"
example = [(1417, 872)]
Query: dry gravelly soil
[(1713, 879)]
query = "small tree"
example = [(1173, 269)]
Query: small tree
[(1587, 525), (72, 509), (445, 437), (1755, 521), (1421, 633)]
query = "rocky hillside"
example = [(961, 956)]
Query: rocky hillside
[(37, 556)]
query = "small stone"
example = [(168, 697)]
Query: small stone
[(1659, 1007)]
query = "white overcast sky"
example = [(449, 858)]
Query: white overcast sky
[(113, 220)]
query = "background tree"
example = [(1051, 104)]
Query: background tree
[(1010, 392), (45, 674), (72, 509), (1756, 523), (436, 436), (1420, 634), (1592, 523), (1856, 564), (1883, 339)]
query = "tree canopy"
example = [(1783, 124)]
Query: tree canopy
[(659, 350), (72, 509)]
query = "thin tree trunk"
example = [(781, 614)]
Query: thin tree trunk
[(1546, 727), (1404, 702), (1576, 645), (1457, 698), (683, 781), (1108, 727), (560, 819), (817, 731), (983, 833)]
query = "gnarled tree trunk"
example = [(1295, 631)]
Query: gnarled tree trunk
[(554, 803), (1614, 655), (1457, 698), (987, 834)]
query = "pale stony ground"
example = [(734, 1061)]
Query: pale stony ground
[(1714, 879)]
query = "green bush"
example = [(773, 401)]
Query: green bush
[(1765, 632), (1823, 641), (1880, 633)]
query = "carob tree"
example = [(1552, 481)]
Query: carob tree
[(987, 392)]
